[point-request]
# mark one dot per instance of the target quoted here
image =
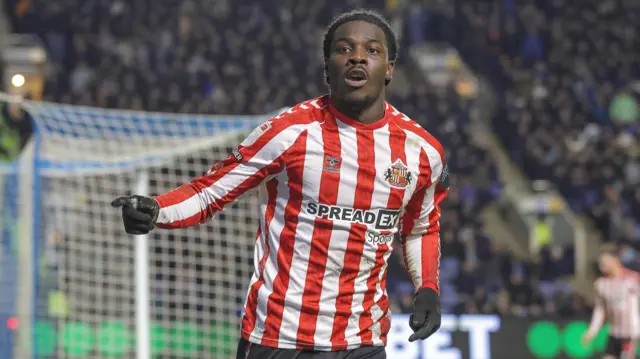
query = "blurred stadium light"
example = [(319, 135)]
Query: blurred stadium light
[(25, 60)]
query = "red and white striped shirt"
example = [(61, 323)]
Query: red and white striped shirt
[(617, 300), (333, 194)]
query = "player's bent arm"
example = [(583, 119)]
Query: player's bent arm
[(420, 226), (259, 156)]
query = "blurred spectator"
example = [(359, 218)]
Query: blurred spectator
[(9, 137), (481, 301), (519, 291), (624, 108), (502, 303), (15, 129), (467, 281), (484, 248), (451, 247), (510, 265), (553, 265)]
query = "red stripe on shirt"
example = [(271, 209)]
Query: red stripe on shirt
[(276, 302), (397, 140), (431, 247), (355, 247), (329, 183), (430, 239), (413, 209), (249, 319)]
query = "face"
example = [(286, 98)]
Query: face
[(607, 263), (358, 64)]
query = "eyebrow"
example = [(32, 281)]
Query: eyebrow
[(351, 39)]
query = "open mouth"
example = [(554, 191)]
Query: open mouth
[(356, 78)]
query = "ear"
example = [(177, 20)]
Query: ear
[(389, 72), (326, 71)]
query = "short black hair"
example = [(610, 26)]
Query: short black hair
[(369, 16), (610, 249)]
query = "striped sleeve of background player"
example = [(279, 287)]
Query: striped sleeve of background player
[(420, 224), (599, 312), (259, 156)]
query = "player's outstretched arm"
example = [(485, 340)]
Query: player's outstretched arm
[(260, 155), (421, 246)]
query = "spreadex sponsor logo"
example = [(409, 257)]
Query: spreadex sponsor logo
[(379, 239), (379, 219)]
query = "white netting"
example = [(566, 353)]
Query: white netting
[(86, 157)]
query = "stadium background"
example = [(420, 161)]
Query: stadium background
[(534, 101)]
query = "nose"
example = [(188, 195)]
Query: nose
[(358, 57)]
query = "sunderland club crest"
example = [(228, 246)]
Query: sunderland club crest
[(398, 175)]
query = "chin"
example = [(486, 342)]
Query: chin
[(355, 99)]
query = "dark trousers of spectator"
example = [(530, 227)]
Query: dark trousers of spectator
[(248, 350)]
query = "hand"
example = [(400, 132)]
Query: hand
[(427, 316), (139, 213), (586, 339)]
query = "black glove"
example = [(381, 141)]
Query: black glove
[(427, 316), (139, 213)]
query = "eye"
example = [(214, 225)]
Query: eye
[(343, 49), (373, 51)]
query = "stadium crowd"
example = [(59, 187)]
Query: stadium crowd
[(568, 83), (194, 56)]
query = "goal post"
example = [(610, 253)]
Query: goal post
[(96, 292)]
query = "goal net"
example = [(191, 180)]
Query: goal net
[(81, 295)]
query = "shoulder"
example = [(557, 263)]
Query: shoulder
[(415, 132), (632, 275), (418, 136), (599, 284), (289, 124), (303, 113)]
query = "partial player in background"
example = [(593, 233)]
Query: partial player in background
[(617, 301), (339, 177)]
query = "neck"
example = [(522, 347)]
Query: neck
[(617, 271), (365, 113)]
